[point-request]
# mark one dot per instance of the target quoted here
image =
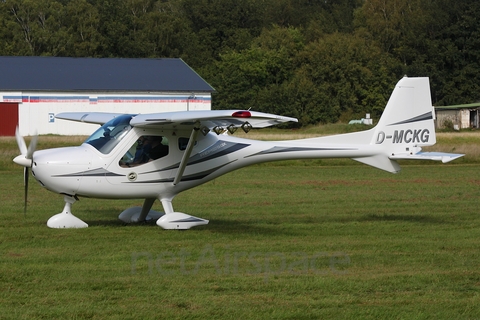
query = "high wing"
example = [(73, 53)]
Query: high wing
[(209, 119), (185, 119), (88, 117)]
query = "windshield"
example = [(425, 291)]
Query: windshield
[(110, 134)]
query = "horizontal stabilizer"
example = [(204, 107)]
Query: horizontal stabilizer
[(437, 156)]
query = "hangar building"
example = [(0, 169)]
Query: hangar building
[(34, 89), (462, 116)]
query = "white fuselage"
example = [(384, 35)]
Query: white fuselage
[(85, 171)]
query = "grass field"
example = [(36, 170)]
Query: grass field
[(288, 240)]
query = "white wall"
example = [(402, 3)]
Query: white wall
[(465, 116), (37, 110), (458, 117)]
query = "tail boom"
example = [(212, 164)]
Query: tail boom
[(406, 125)]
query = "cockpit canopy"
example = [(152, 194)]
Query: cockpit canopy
[(110, 134)]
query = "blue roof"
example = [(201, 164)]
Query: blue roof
[(99, 74)]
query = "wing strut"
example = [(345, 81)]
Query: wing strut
[(186, 154)]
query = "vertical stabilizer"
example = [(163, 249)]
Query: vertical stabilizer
[(406, 125), (408, 118)]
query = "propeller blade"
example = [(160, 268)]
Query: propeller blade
[(26, 160), (25, 181), (32, 147), (21, 142)]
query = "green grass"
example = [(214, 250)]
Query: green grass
[(288, 240)]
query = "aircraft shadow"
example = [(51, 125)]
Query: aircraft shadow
[(217, 225), (403, 217), (245, 227), (105, 218), (251, 227)]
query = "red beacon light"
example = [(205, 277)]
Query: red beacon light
[(242, 114)]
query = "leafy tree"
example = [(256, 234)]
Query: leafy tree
[(6, 31), (37, 27), (83, 20), (223, 25), (167, 33), (435, 38), (245, 79), (459, 54), (115, 28), (319, 61), (351, 76), (333, 16)]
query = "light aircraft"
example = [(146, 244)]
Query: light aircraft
[(157, 156)]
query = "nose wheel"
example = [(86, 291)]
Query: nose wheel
[(66, 219)]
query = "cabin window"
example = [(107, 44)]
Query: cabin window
[(183, 143), (145, 149), (110, 134)]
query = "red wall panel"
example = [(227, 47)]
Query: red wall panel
[(8, 118)]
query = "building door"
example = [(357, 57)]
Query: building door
[(8, 118), (474, 121)]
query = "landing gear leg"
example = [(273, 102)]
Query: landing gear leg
[(177, 220), (147, 205), (140, 214), (66, 219)]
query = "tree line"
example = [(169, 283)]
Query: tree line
[(318, 60)]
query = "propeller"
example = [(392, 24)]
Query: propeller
[(25, 159)]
